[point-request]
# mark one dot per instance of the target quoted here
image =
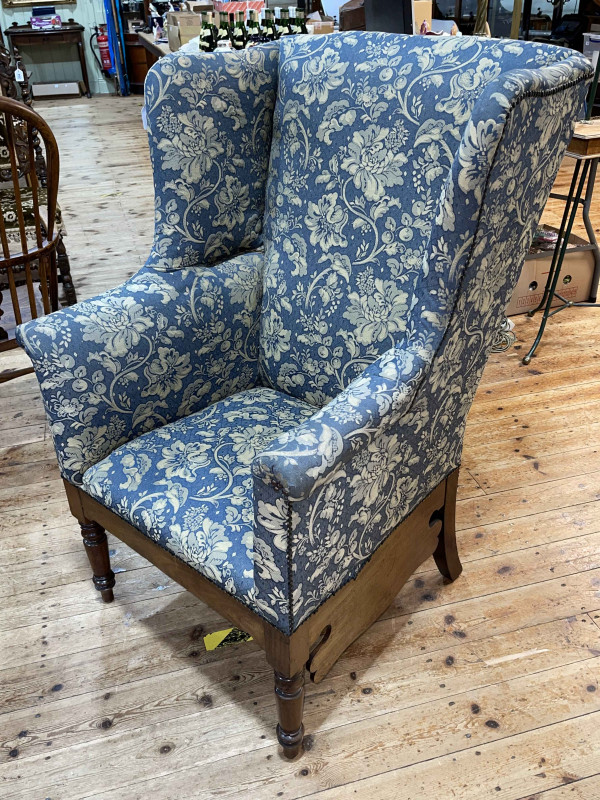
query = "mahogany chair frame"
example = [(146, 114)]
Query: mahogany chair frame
[(320, 640), (43, 252)]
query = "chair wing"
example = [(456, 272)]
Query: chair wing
[(329, 492), (365, 133), (209, 122)]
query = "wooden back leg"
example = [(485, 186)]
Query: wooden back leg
[(446, 553)]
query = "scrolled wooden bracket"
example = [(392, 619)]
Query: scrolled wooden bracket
[(312, 664), (446, 553)]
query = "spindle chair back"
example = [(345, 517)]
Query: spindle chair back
[(35, 248)]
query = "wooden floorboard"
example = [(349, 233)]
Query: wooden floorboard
[(485, 688)]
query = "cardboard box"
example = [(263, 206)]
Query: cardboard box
[(189, 26), (68, 89), (175, 17), (204, 5), (188, 32), (173, 37), (322, 27), (422, 11), (574, 283)]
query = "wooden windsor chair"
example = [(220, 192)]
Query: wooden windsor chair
[(14, 83), (33, 245)]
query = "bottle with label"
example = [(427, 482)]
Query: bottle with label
[(269, 25), (262, 27), (285, 23), (301, 21), (238, 32), (223, 29), (253, 29), (207, 34), (277, 26)]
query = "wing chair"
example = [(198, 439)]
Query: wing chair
[(272, 409)]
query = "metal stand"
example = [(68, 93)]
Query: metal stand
[(574, 199), (572, 202)]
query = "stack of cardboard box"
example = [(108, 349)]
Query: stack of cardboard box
[(182, 26)]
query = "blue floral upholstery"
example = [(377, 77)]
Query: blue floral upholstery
[(161, 346), (366, 130), (407, 175), (188, 485), (209, 122)]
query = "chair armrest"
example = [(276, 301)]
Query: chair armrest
[(157, 348), (302, 459), (209, 118)]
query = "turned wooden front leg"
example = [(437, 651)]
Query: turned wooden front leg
[(96, 547), (289, 693)]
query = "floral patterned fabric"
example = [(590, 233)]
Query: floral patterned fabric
[(366, 129), (331, 490), (407, 176), (209, 123), (157, 348), (188, 485)]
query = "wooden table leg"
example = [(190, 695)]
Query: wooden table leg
[(84, 72)]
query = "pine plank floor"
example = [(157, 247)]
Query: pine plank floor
[(485, 688)]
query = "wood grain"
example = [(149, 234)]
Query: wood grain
[(401, 684), (123, 700)]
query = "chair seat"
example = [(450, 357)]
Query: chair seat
[(188, 485)]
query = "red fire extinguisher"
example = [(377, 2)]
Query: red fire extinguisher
[(104, 49)]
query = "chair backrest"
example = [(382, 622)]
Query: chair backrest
[(28, 237), (366, 130)]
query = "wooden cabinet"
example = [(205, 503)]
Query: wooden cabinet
[(137, 67)]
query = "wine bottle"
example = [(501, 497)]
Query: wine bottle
[(263, 33), (301, 21), (207, 34), (269, 25), (276, 26), (223, 29), (238, 34), (285, 23), (253, 29)]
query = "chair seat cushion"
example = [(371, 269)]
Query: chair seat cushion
[(188, 485)]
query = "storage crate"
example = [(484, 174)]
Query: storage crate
[(574, 283)]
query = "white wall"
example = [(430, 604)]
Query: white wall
[(57, 63), (332, 7)]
